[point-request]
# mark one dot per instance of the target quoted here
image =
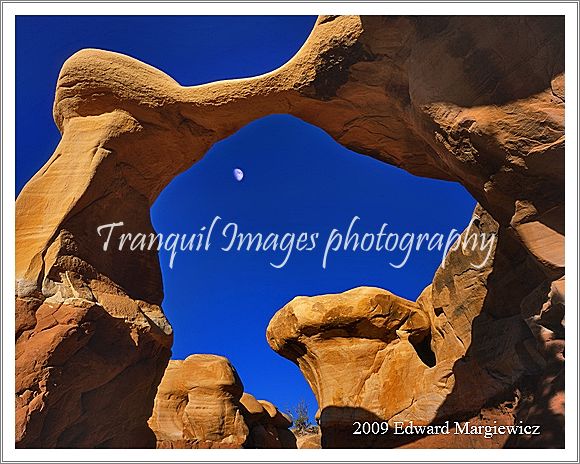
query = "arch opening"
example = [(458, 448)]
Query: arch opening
[(297, 179)]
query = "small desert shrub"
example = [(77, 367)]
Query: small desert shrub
[(301, 420)]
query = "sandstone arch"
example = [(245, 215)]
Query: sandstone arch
[(478, 100)]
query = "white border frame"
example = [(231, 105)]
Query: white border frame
[(11, 9)]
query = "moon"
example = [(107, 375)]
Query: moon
[(238, 174)]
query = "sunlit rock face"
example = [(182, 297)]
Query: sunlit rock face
[(361, 353), (201, 403), (462, 351), (80, 349), (476, 100), (197, 405)]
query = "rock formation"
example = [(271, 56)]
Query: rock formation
[(472, 99), (201, 403), (366, 332), (88, 359), (372, 356), (197, 405), (308, 441), (269, 428)]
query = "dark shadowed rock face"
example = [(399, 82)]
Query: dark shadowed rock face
[(477, 100)]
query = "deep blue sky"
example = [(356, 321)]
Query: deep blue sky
[(297, 179)]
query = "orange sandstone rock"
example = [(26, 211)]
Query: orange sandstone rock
[(200, 403)]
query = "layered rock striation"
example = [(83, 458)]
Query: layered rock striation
[(201, 403), (462, 352)]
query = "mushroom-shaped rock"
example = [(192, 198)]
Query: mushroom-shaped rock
[(364, 352)]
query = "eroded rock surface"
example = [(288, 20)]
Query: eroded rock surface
[(473, 99), (201, 403), (463, 351), (269, 427), (357, 350), (308, 441), (77, 353)]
